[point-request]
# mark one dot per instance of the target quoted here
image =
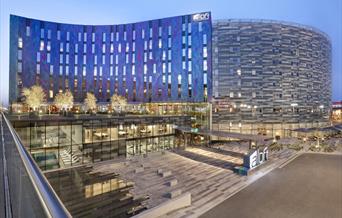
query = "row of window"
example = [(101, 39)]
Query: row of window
[(115, 36)]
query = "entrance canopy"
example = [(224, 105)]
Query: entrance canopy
[(223, 134)]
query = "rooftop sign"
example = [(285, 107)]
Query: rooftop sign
[(201, 16)]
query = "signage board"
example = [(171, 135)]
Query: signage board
[(255, 158), (201, 16)]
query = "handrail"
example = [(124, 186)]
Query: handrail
[(51, 203), (8, 209)]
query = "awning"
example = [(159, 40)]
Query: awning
[(224, 134)]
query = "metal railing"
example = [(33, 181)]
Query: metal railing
[(29, 192)]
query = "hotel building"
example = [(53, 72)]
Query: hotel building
[(247, 76), (269, 77)]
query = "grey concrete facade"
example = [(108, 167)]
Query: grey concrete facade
[(269, 76)]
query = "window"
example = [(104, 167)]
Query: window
[(238, 71), (67, 70), (145, 69), (58, 35), (28, 31), (93, 37), (133, 69), (103, 37), (84, 48), (103, 48), (42, 33), (84, 37), (205, 65), (48, 58), (111, 70), (61, 47), (169, 31), (84, 59), (189, 79), (179, 79), (169, 55), (200, 28), (93, 48), (95, 71), (127, 47), (164, 67), (51, 69), (189, 53), (231, 94), (20, 67), (49, 34), (239, 94), (79, 36), (60, 70), (84, 71), (68, 36), (205, 40), (160, 43), (205, 52), (205, 79), (111, 48), (61, 59), (20, 55), (38, 57), (169, 43), (169, 67), (48, 46), (67, 59), (75, 70), (67, 47), (20, 42), (253, 72)]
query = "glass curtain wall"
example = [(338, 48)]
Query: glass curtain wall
[(60, 144)]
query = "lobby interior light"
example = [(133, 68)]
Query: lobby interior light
[(294, 104)]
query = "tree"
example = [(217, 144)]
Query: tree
[(35, 96), (90, 101), (64, 100), (118, 101)]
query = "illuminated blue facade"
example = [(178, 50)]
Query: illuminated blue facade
[(164, 60)]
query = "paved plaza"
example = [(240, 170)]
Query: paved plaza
[(309, 186), (208, 182)]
